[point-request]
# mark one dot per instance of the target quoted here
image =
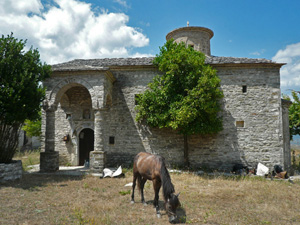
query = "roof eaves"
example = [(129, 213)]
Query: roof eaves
[(79, 68)]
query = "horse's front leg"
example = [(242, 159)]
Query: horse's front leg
[(156, 186), (133, 187)]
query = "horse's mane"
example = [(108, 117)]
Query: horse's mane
[(168, 187)]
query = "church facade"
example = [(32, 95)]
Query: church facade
[(89, 113)]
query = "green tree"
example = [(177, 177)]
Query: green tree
[(186, 97), (294, 114), (21, 93), (33, 127)]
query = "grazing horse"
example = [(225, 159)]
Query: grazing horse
[(152, 167)]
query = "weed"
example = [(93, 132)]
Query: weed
[(30, 161), (207, 215), (68, 164), (40, 210), (106, 220), (127, 170), (78, 213), (124, 192), (265, 222), (96, 189), (34, 188)]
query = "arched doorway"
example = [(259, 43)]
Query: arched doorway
[(86, 144)]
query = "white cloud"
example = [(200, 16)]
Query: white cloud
[(69, 29), (20, 6), (258, 53), (122, 3), (255, 53), (146, 24), (290, 73)]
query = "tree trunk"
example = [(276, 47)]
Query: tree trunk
[(186, 151), (9, 135)]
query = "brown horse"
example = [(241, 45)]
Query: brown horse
[(152, 167)]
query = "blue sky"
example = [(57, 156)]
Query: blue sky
[(63, 30), (243, 28)]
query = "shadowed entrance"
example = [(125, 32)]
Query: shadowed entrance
[(86, 144)]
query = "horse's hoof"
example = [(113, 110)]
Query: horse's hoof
[(144, 203), (132, 202), (158, 215)]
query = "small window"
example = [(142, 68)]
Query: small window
[(111, 140), (239, 123), (86, 114), (68, 116), (244, 88)]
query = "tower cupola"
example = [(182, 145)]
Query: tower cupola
[(196, 37)]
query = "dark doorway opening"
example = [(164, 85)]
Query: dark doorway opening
[(86, 144)]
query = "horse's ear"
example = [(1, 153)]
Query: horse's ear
[(178, 194)]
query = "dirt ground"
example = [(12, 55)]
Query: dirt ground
[(65, 199)]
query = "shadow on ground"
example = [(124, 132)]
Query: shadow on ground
[(34, 181), (180, 212)]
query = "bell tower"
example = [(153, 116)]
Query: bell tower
[(196, 37)]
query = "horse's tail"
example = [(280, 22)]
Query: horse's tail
[(168, 187)]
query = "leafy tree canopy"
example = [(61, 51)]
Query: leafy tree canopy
[(21, 74), (294, 114), (21, 93), (186, 97)]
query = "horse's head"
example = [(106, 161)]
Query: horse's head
[(171, 206)]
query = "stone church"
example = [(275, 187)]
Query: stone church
[(89, 113)]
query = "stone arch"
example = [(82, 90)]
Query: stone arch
[(69, 98), (57, 92), (84, 126)]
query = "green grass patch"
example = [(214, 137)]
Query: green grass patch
[(125, 192)]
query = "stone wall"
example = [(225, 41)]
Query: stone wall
[(251, 120), (120, 118), (259, 140), (11, 171)]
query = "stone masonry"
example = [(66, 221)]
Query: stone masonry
[(93, 101), (11, 171)]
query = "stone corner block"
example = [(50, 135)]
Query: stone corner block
[(49, 161), (97, 161)]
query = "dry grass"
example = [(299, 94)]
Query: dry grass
[(50, 199), (28, 158)]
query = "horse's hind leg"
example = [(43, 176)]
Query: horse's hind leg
[(156, 186), (142, 184)]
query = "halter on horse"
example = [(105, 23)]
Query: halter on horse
[(152, 167)]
